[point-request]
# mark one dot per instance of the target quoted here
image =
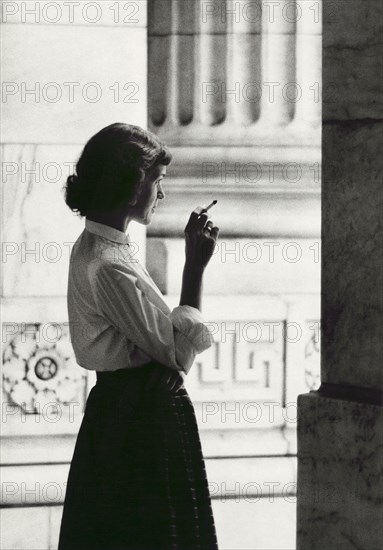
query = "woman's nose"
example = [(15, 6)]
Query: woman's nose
[(161, 192)]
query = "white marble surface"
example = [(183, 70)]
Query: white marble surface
[(258, 525), (274, 266), (71, 54), (32, 532)]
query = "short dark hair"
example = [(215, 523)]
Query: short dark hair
[(112, 167)]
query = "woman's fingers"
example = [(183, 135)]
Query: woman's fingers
[(198, 220), (208, 227), (194, 217), (211, 230), (214, 232), (200, 238), (201, 222), (198, 224), (164, 379), (175, 382)]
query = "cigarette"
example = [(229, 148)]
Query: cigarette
[(210, 205)]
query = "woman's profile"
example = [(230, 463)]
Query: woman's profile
[(137, 479)]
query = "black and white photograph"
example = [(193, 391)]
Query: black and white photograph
[(191, 275)]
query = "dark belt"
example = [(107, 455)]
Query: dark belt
[(126, 388), (125, 374)]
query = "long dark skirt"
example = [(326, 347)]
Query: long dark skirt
[(137, 478)]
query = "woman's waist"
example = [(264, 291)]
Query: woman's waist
[(140, 372), (138, 381), (125, 392)]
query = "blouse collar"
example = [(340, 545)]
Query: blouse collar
[(107, 232)]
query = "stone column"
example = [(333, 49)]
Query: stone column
[(340, 426), (228, 70), (233, 90)]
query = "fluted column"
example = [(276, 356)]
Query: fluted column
[(210, 65), (234, 71), (244, 65), (308, 73), (279, 60)]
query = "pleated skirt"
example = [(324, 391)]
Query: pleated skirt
[(137, 480)]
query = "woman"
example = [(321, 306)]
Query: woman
[(137, 478)]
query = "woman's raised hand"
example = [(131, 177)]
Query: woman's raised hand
[(200, 238)]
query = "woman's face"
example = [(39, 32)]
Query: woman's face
[(152, 192)]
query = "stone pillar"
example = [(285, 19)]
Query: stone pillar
[(340, 425)]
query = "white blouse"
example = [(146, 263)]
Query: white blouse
[(117, 315)]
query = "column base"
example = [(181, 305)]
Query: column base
[(340, 459)]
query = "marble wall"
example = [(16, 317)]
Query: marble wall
[(340, 427)]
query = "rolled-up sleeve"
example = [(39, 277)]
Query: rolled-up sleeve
[(173, 338)]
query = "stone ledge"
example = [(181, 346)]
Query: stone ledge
[(354, 394)]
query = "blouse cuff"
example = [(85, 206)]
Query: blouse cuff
[(189, 321)]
